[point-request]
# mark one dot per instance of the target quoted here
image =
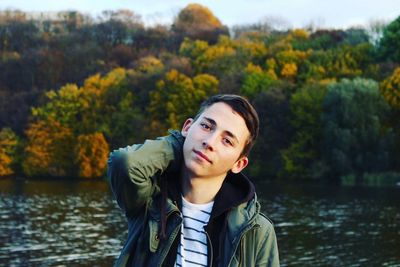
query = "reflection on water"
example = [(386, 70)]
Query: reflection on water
[(47, 223), (72, 223), (335, 226)]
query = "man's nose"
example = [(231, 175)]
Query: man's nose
[(209, 141)]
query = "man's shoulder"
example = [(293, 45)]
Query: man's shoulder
[(262, 220)]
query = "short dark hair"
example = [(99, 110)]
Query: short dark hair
[(242, 107)]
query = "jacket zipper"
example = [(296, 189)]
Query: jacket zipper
[(211, 248), (172, 236), (247, 229)]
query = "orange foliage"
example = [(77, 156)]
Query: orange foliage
[(8, 142), (390, 89), (289, 70), (91, 155), (195, 15), (49, 149)]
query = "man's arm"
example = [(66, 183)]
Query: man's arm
[(132, 169), (268, 254)]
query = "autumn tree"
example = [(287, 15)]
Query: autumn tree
[(198, 22), (256, 81), (49, 149), (91, 153), (176, 98), (390, 89), (8, 145)]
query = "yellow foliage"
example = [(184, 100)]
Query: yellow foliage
[(149, 64), (272, 74), (8, 143), (300, 34), (176, 98), (49, 149), (251, 68), (205, 85), (100, 84), (196, 16), (390, 89), (327, 81), (289, 70), (9, 56), (256, 49), (292, 56), (5, 162), (271, 68), (193, 49), (214, 53), (271, 63), (91, 155)]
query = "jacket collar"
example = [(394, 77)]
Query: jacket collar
[(235, 190)]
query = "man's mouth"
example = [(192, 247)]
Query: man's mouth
[(202, 155)]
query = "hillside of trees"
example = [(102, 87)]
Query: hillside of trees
[(74, 87)]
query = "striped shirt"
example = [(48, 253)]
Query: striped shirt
[(192, 251)]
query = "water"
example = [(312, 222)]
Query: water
[(76, 223)]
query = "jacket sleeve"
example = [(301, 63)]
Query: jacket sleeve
[(132, 170), (268, 255)]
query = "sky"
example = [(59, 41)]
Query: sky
[(294, 13)]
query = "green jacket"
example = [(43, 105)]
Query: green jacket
[(238, 234)]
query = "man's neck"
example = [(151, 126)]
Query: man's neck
[(200, 190)]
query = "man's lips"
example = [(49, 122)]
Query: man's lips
[(202, 155)]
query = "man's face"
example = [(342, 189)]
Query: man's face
[(214, 142)]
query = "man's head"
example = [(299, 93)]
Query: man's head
[(220, 136), (243, 108)]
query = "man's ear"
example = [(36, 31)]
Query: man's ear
[(186, 126), (240, 164)]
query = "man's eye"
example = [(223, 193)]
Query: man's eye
[(205, 125), (227, 141)]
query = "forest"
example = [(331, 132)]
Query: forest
[(73, 87)]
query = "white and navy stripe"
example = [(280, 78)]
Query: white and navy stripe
[(193, 248)]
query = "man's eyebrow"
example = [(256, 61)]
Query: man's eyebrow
[(214, 123)]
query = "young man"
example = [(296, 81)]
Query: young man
[(186, 201)]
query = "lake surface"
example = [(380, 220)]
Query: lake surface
[(77, 223)]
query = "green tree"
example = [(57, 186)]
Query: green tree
[(354, 141), (390, 89), (389, 44), (275, 131), (302, 157), (256, 81)]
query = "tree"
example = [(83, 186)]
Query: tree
[(275, 131), (256, 81), (8, 145), (176, 98), (91, 155), (198, 22), (49, 149), (389, 45), (302, 157), (390, 89), (354, 139)]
